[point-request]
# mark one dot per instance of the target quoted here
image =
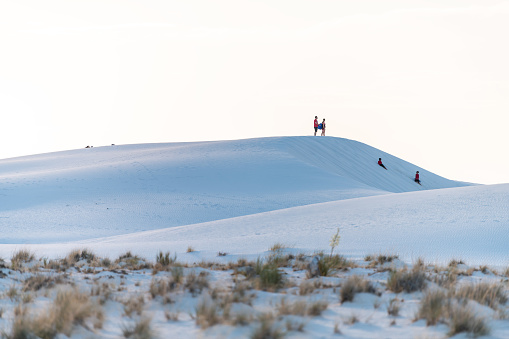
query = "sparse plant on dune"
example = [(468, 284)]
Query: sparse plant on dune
[(132, 262), (329, 265), (267, 329), (353, 285), (334, 241), (489, 294), (21, 257), (464, 319), (134, 306), (433, 306), (38, 281), (408, 281), (140, 329), (269, 278)]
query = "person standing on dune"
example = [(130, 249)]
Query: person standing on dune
[(323, 128), (316, 124)]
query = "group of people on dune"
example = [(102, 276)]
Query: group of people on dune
[(321, 126), (416, 179)]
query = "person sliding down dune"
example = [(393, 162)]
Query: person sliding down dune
[(417, 180), (380, 163)]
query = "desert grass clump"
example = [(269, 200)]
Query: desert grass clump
[(455, 263), (190, 249), (208, 313), (72, 307), (106, 262), (242, 293), (433, 307), (132, 262), (307, 287), (164, 261), (162, 286), (69, 308), (21, 257), (140, 329), (380, 259), (302, 308), (277, 256), (78, 255), (295, 325), (353, 285), (134, 305), (408, 281), (316, 308), (12, 293), (269, 277), (196, 283), (393, 308), (465, 319), (298, 307), (489, 294), (22, 325), (267, 329), (39, 281), (330, 264), (103, 291)]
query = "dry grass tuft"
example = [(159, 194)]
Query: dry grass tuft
[(408, 281), (267, 328), (353, 285), (69, 308), (208, 313), (393, 308), (134, 305), (446, 278), (329, 265), (140, 329), (454, 263), (380, 259), (433, 307), (307, 287), (78, 255), (196, 283), (489, 294), (162, 286), (132, 262), (21, 257), (464, 319), (39, 281)]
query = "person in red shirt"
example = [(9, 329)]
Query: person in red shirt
[(316, 124), (380, 163), (417, 178)]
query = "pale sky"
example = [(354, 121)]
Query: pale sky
[(424, 80)]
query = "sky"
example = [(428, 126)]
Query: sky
[(424, 80)]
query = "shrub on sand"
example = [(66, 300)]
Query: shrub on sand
[(489, 294), (408, 281), (433, 306), (353, 285)]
